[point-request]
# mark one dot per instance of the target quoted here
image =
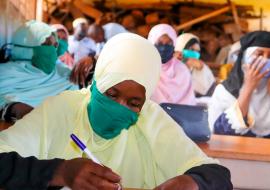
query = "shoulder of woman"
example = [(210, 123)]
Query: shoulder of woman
[(69, 99)]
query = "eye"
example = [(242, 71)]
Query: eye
[(135, 104), (111, 94)]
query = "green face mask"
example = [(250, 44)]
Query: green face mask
[(44, 58), (107, 117), (62, 47)]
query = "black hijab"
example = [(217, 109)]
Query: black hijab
[(235, 80)]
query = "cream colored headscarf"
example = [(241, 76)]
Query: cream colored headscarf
[(117, 63), (182, 40), (150, 152), (79, 21)]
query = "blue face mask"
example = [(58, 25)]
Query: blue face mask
[(166, 52), (107, 117)]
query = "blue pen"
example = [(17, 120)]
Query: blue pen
[(80, 144)]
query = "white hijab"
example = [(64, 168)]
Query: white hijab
[(112, 29), (259, 107)]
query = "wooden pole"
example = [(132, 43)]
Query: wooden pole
[(203, 18), (39, 10), (235, 16), (261, 19), (88, 9)]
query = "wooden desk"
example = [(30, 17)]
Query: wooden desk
[(66, 188), (4, 125), (233, 147), (247, 158)]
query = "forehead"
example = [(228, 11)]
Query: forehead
[(164, 38), (195, 47), (129, 83), (51, 40)]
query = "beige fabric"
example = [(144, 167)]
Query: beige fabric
[(150, 152), (182, 40)]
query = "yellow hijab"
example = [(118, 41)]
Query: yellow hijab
[(152, 151)]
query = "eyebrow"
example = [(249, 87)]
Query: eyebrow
[(138, 98)]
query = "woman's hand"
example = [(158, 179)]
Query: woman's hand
[(194, 64), (252, 73), (182, 182), (81, 70), (84, 174), (268, 86), (252, 77)]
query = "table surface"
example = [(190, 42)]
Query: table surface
[(235, 147)]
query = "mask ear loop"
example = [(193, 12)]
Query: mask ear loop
[(5, 53), (22, 46)]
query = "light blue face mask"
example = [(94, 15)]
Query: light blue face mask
[(107, 117), (190, 54)]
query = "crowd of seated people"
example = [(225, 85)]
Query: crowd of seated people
[(104, 84)]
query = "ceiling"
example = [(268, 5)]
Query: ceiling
[(256, 3)]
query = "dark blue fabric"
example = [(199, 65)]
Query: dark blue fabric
[(223, 127), (192, 119), (211, 177), (27, 173)]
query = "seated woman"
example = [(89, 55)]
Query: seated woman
[(96, 33), (62, 49), (187, 49), (226, 68), (241, 104), (80, 45), (34, 71), (111, 29), (175, 84), (118, 122)]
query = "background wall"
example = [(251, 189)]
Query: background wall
[(13, 13), (254, 24)]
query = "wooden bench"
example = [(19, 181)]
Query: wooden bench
[(247, 158)]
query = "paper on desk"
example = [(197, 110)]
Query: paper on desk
[(67, 188)]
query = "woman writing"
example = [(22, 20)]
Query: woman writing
[(123, 128)]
